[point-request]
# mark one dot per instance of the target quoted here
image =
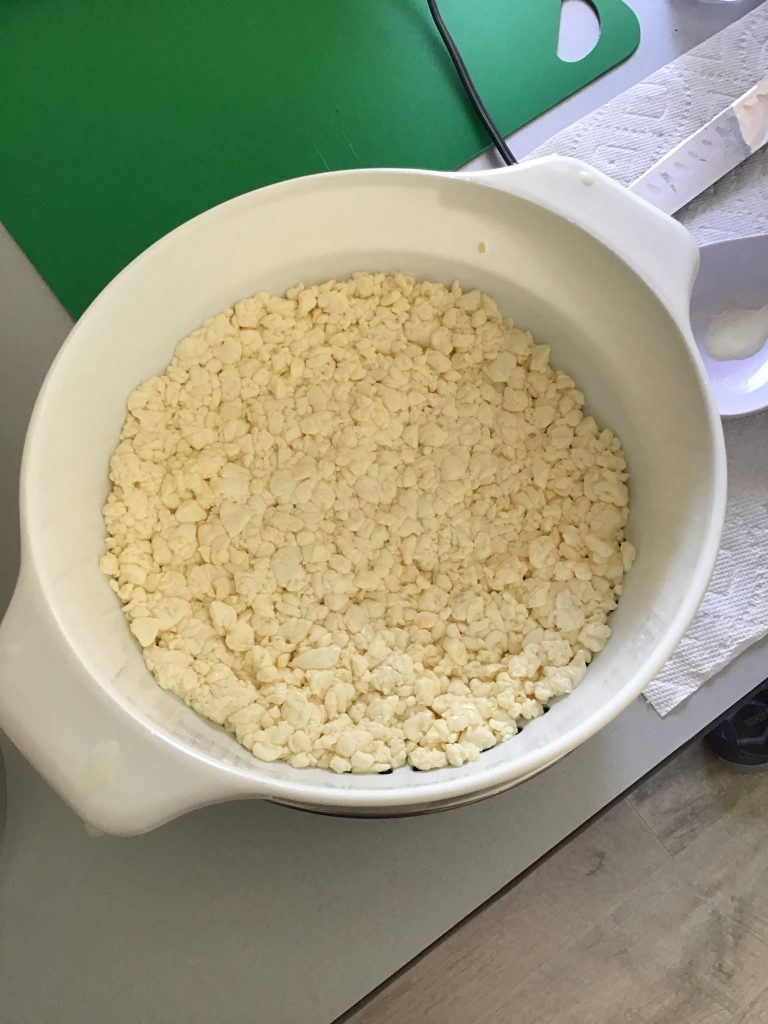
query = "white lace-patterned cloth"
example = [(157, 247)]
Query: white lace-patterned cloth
[(623, 139)]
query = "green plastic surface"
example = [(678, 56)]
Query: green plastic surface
[(120, 119)]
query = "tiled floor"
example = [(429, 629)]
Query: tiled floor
[(655, 914)]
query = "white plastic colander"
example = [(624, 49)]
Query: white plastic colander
[(596, 272)]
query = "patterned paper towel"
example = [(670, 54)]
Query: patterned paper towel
[(623, 139)]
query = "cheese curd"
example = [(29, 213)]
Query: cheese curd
[(366, 524)]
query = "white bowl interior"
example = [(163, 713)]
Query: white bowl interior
[(605, 326)]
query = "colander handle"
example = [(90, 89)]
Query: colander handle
[(114, 773), (654, 245)]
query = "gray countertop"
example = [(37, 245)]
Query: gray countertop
[(249, 912)]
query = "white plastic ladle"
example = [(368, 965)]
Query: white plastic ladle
[(733, 273)]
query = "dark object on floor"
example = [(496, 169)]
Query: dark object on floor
[(742, 739)]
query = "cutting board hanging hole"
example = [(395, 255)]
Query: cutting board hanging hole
[(579, 30)]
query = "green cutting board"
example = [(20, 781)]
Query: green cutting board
[(120, 119)]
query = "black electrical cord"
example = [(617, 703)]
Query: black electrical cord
[(497, 138)]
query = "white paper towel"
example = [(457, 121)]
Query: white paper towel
[(734, 613), (623, 139)]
